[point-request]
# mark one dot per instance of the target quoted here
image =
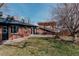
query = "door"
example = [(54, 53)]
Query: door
[(5, 33)]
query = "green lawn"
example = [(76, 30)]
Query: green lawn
[(40, 47)]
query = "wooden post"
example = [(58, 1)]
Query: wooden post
[(36, 30), (31, 30)]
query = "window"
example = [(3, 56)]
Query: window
[(14, 29), (5, 29)]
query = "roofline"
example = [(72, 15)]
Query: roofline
[(24, 24)]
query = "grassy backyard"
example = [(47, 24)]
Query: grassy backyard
[(40, 47)]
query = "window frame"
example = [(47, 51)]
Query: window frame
[(14, 29), (5, 29)]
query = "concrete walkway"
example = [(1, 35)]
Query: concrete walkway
[(15, 40), (41, 35), (24, 38)]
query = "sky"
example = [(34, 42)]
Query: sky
[(36, 12)]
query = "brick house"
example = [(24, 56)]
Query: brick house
[(12, 29), (53, 26), (49, 26)]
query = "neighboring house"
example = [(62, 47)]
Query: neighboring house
[(46, 27), (50, 24), (53, 27), (12, 29)]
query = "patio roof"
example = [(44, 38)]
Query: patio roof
[(4, 21)]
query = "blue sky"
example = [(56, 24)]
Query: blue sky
[(35, 12)]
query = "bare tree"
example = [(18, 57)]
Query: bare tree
[(69, 16)]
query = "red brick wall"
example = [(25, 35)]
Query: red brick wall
[(22, 32), (0, 32), (47, 23), (50, 25), (43, 32), (39, 31)]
